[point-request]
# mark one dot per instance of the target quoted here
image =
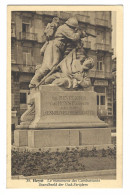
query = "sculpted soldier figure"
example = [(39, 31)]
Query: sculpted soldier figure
[(73, 70), (49, 33), (54, 49)]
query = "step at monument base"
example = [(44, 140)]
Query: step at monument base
[(62, 137)]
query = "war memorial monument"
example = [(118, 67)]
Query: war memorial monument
[(62, 107)]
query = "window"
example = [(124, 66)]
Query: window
[(99, 65), (100, 37), (25, 27), (23, 98), (101, 96), (15, 77), (97, 99), (102, 100), (27, 57)]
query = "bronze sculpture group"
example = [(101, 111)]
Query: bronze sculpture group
[(65, 60)]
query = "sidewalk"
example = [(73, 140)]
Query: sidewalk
[(100, 174)]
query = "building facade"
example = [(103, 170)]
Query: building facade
[(114, 90), (27, 39)]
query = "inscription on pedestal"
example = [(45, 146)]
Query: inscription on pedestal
[(67, 104), (58, 108)]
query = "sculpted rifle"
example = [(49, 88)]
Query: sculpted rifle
[(53, 69), (56, 66)]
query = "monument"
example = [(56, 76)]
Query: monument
[(62, 105)]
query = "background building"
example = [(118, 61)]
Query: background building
[(114, 90), (27, 39)]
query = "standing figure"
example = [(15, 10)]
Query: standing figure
[(54, 50), (49, 33)]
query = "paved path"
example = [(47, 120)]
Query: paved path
[(100, 174)]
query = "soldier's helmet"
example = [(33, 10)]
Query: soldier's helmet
[(72, 22)]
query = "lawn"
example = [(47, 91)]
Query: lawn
[(40, 163)]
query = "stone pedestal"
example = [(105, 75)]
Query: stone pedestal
[(62, 137), (62, 118)]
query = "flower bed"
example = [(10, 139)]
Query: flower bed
[(40, 163)]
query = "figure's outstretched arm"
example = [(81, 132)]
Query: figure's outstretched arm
[(70, 34)]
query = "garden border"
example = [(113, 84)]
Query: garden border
[(62, 148)]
